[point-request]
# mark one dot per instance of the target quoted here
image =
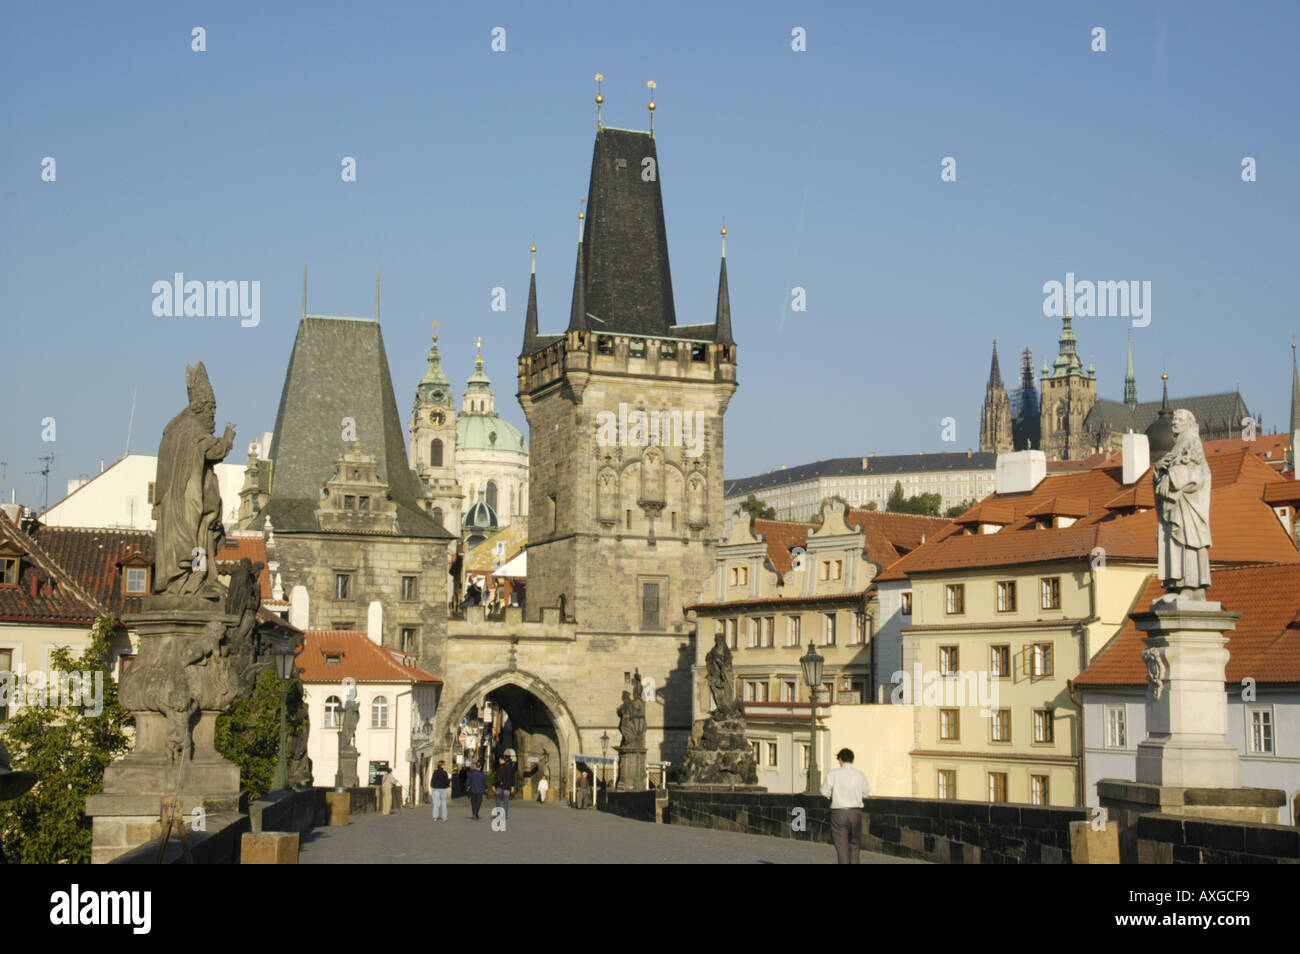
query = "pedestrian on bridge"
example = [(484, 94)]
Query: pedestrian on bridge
[(477, 782), (505, 782), (440, 784), (846, 787)]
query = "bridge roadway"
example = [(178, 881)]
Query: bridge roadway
[(548, 834)]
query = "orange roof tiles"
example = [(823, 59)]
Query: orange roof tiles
[(1242, 526), (358, 657), (1265, 645), (781, 537)]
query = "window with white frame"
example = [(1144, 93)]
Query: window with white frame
[(1007, 596), (793, 630), (1040, 660), (1000, 725), (771, 754), (1261, 730), (828, 629), (789, 690), (1116, 727), (947, 783), (1038, 789), (1000, 661), (379, 713), (1044, 731), (332, 707)]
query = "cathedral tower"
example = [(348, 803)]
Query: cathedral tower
[(995, 421), (1068, 394)]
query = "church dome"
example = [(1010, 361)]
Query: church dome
[(480, 516), (488, 432)]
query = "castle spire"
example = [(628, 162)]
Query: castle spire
[(530, 319), (1130, 380), (995, 372), (722, 323), (434, 388)]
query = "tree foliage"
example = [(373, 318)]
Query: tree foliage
[(68, 749), (756, 509), (924, 504), (249, 732), (959, 509)]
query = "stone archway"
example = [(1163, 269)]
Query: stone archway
[(516, 689)]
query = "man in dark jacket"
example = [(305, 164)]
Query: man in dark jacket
[(505, 782), (477, 782), (440, 783)]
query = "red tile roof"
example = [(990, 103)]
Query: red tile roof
[(1265, 645), (782, 536), (359, 658), (254, 547), (1243, 527), (45, 592), (93, 557), (886, 536)]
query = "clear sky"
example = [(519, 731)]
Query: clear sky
[(225, 165)]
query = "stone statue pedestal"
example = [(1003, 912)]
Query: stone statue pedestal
[(127, 812), (631, 768), (1187, 709), (1186, 766), (718, 752), (346, 776)]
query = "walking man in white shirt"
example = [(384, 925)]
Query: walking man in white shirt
[(846, 787)]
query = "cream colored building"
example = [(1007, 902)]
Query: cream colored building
[(796, 493), (778, 588), (1012, 601)]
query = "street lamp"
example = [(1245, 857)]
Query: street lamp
[(812, 675), (604, 749), (284, 669)]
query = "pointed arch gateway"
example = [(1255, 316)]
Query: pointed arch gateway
[(516, 688)]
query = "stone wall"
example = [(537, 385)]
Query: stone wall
[(639, 806), (939, 830), (298, 810), (1175, 839)]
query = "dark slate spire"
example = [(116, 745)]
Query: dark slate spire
[(995, 372), (1160, 435), (578, 310), (722, 324), (623, 261), (339, 369), (530, 321)]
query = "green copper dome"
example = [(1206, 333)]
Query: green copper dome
[(488, 432)]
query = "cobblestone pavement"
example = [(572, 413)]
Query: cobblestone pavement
[(548, 834)]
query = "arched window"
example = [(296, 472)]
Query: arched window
[(437, 514), (492, 494), (332, 706), (379, 713), (435, 454)]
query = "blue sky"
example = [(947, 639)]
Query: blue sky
[(225, 165)]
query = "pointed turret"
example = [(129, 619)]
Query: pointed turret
[(1160, 435), (1130, 380), (722, 323), (434, 390), (530, 320), (478, 389), (578, 309), (995, 420)]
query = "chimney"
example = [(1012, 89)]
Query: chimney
[(1020, 471), (864, 463), (1137, 456), (299, 607), (101, 465), (375, 622)]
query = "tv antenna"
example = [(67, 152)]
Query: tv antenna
[(44, 472)]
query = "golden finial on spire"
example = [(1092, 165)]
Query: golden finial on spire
[(651, 84), (582, 203), (533, 249), (600, 99), (724, 236), (435, 332)]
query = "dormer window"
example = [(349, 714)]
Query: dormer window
[(137, 580), (333, 659), (8, 571)]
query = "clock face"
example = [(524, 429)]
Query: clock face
[(437, 417)]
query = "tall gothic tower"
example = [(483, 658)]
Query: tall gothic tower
[(995, 420), (625, 414), (1068, 394), (433, 442)]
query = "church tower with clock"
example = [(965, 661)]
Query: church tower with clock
[(433, 442)]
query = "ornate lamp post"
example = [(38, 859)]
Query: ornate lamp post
[(284, 667), (604, 751), (812, 675)]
